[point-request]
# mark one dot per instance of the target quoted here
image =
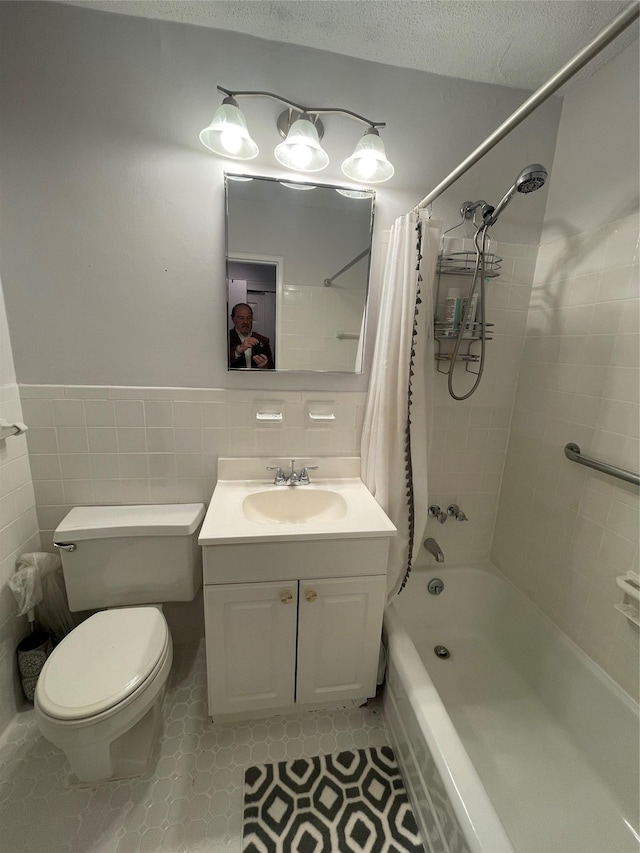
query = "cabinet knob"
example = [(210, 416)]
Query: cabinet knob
[(286, 597), (311, 595)]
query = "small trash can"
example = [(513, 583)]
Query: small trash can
[(32, 654)]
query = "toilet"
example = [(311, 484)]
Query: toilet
[(99, 695)]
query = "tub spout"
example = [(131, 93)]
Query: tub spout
[(433, 548)]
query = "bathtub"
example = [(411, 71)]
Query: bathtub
[(515, 742)]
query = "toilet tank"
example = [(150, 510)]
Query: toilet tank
[(125, 555)]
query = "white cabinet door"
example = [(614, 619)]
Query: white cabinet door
[(251, 645), (339, 631)]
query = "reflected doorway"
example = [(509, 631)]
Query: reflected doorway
[(255, 281)]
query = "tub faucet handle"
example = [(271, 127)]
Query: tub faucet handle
[(455, 511), (437, 513)]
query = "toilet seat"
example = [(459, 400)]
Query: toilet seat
[(103, 664)]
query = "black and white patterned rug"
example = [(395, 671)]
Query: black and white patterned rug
[(349, 802)]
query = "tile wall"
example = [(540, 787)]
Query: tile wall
[(564, 532), (18, 525), (312, 319), (123, 445), (469, 438)]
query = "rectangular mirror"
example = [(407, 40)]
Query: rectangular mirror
[(298, 259)]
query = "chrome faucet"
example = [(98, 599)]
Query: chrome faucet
[(292, 477), (433, 548)]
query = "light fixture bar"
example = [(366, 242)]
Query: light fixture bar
[(300, 108), (302, 130)]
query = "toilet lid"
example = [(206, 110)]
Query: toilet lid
[(101, 662)]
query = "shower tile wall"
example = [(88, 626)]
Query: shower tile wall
[(469, 438), (312, 319), (18, 523), (564, 532), (115, 445)]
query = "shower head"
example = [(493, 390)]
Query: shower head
[(531, 178)]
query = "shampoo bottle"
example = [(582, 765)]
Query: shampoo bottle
[(453, 307), (469, 327)]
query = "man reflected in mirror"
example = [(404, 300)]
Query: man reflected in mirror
[(247, 348)]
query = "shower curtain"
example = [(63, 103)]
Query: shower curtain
[(396, 421)]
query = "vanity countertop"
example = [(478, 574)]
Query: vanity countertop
[(352, 513)]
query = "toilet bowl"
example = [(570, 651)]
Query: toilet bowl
[(99, 695)]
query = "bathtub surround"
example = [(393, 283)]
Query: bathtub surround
[(468, 439), (564, 532)]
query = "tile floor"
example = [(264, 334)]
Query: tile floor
[(192, 797)]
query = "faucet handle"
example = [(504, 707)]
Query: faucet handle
[(437, 513), (304, 474), (280, 478), (455, 511)]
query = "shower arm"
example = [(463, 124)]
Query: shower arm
[(628, 15)]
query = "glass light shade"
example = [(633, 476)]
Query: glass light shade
[(301, 150), (228, 135), (356, 193), (368, 163)]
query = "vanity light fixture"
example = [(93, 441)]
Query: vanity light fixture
[(228, 134), (302, 130), (368, 162)]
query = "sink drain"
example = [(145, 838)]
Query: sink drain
[(441, 651)]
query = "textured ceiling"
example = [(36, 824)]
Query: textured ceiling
[(517, 43)]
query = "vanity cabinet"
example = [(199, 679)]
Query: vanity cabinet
[(296, 642), (294, 587)]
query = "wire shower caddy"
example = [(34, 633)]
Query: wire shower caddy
[(461, 264)]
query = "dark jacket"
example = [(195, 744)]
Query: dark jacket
[(239, 362)]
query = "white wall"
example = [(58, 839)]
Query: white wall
[(18, 524), (564, 532), (112, 223)]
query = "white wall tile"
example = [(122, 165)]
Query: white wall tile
[(129, 413), (579, 382), (99, 413), (158, 444), (69, 412)]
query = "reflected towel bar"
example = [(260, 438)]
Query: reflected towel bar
[(572, 451)]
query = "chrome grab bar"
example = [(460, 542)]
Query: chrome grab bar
[(572, 451)]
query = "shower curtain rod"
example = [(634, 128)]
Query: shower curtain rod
[(628, 15)]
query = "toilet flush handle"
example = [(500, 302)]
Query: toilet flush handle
[(64, 546)]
